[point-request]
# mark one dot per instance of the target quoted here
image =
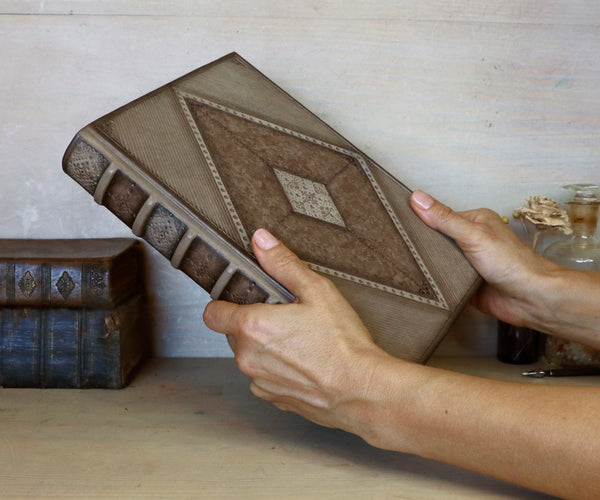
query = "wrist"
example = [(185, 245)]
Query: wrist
[(543, 298), (529, 300), (382, 394), (567, 305)]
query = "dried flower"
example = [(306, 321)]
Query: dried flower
[(544, 213)]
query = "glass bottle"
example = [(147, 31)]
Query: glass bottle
[(579, 251), (517, 345)]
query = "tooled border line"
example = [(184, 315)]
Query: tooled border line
[(181, 95), (213, 168)]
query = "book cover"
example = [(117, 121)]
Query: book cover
[(196, 166), (68, 272), (71, 347)]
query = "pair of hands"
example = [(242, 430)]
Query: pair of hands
[(315, 356)]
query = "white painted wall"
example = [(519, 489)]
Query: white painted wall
[(482, 103)]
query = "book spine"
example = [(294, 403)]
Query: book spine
[(190, 245), (56, 284), (76, 348)]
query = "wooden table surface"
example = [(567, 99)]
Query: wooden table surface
[(189, 428)]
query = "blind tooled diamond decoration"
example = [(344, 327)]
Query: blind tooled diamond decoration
[(65, 285), (321, 199), (27, 284), (309, 198)]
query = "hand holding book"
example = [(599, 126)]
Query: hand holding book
[(315, 358)]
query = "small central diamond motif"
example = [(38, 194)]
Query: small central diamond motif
[(27, 284), (309, 198), (65, 285)]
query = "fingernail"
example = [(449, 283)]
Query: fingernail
[(265, 240), (422, 199)]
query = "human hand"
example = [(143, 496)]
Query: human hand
[(512, 271), (313, 356)]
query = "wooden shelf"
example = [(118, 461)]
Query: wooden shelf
[(189, 428)]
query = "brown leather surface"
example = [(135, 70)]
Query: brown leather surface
[(69, 272), (223, 151), (124, 198), (367, 246), (242, 290), (203, 264)]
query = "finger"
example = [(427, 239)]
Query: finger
[(271, 397), (282, 264), (294, 396), (440, 217), (221, 317), (231, 342), (291, 403)]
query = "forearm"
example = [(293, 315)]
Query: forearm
[(567, 304), (543, 438)]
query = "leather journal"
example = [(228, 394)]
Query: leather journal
[(196, 166), (71, 312), (95, 272)]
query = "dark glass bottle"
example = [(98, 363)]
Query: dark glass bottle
[(517, 345)]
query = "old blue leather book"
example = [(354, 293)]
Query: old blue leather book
[(71, 312), (77, 347)]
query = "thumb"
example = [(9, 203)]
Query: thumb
[(440, 217), (282, 264)]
